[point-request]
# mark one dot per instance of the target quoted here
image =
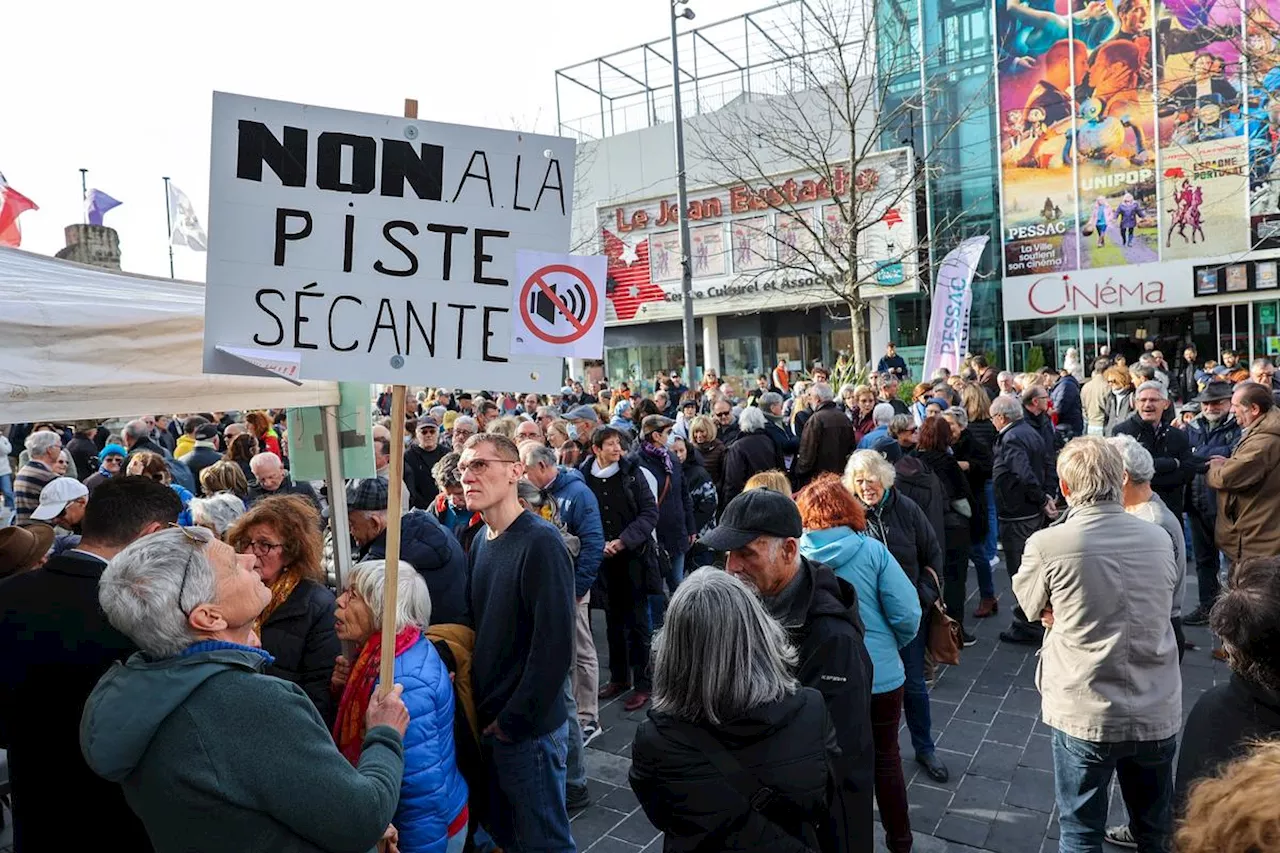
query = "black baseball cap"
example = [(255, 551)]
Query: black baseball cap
[(206, 432), (752, 514)]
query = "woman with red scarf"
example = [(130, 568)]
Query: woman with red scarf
[(432, 816)]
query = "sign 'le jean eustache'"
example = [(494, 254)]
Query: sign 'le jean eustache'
[(373, 248)]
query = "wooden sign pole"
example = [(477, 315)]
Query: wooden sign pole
[(395, 483)]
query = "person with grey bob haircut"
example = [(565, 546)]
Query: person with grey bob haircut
[(170, 724), (1102, 581), (217, 512), (727, 709)]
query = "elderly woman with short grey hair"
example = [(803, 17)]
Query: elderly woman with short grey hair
[(217, 512), (723, 686), (754, 451), (211, 754), (432, 815)]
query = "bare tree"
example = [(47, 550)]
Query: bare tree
[(854, 89)]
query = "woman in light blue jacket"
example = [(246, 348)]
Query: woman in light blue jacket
[(890, 609)]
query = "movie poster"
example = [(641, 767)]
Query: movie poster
[(706, 248), (1262, 37), (1203, 150), (752, 248), (1114, 138), (1039, 65)]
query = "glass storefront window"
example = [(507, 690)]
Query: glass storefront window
[(1233, 329), (740, 358), (1266, 329), (637, 366)]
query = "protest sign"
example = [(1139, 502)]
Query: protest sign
[(375, 248), (557, 305)]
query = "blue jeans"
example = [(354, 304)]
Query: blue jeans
[(6, 490), (658, 603), (993, 531), (1082, 777), (982, 568), (915, 696), (526, 793), (575, 770)]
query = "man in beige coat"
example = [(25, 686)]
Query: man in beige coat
[(1103, 582), (1093, 396), (1248, 483)]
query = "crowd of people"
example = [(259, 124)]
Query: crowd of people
[(767, 564)]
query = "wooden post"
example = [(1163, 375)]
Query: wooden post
[(395, 482)]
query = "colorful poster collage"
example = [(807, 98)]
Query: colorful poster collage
[(1126, 136)]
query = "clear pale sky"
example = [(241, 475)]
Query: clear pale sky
[(124, 89)]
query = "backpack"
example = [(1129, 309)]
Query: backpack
[(454, 644)]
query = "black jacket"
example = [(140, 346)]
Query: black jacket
[(417, 475), (1066, 403), (199, 459), (85, 454), (299, 634), (752, 453), (786, 440), (1220, 727), (1043, 425), (1117, 408), (824, 626), (728, 433), (675, 508), (916, 480), (1208, 440), (955, 487), (900, 523), (287, 487), (825, 444), (713, 460), (1185, 382), (785, 745), (702, 492), (981, 461), (55, 643), (1018, 472), (641, 517), (1171, 451)]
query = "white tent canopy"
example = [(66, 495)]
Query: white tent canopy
[(82, 342)]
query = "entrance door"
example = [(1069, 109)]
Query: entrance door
[(1170, 331), (1233, 331)]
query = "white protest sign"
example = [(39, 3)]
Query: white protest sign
[(557, 305), (373, 248)]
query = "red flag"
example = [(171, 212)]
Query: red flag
[(628, 285), (12, 205)]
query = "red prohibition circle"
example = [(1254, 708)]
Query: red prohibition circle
[(580, 327)]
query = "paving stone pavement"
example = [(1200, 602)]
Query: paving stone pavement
[(986, 725)]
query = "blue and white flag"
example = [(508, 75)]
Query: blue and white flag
[(96, 205)]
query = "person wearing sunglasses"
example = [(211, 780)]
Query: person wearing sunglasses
[(210, 753), (282, 533), (419, 459), (54, 645), (110, 463)]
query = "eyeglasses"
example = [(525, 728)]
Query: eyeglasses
[(479, 466), (264, 549), (724, 414), (199, 537)]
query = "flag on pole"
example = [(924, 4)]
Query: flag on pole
[(952, 299), (12, 205), (96, 205), (187, 230)]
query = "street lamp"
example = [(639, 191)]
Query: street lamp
[(682, 198)]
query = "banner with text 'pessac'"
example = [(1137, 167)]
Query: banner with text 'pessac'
[(373, 248)]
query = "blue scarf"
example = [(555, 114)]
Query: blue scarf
[(218, 645)]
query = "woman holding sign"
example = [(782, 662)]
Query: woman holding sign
[(432, 814)]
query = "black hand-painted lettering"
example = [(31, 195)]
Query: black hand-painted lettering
[(279, 325), (385, 306), (256, 144), (424, 172), (413, 259), (364, 159), (462, 313), (283, 215), (558, 186), (484, 158), (482, 258), (332, 344), (448, 231), (299, 318), (488, 333), (428, 339)]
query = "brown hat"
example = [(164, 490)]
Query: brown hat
[(21, 548)]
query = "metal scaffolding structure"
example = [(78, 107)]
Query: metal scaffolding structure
[(758, 53)]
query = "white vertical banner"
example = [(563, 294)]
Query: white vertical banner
[(952, 299)]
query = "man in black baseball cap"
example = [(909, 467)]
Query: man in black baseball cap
[(760, 531)]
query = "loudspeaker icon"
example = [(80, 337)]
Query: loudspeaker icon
[(574, 298)]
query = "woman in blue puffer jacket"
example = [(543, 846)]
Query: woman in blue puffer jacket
[(890, 608), (432, 816)]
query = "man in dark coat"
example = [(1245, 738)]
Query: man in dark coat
[(1185, 382), (1168, 446), (1066, 404), (1035, 412), (827, 440), (270, 478), (1022, 501), (1213, 432), (84, 450), (760, 531), (206, 452), (419, 459), (55, 643), (753, 452), (726, 426)]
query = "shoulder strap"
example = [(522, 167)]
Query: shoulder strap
[(666, 487)]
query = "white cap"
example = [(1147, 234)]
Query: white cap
[(56, 495)]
